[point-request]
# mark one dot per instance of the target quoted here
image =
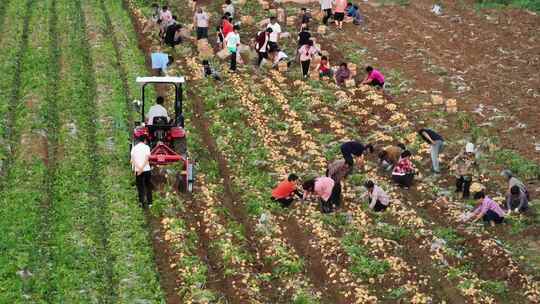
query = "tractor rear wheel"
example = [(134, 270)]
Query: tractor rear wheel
[(180, 146)]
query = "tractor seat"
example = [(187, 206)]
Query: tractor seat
[(160, 122), (159, 128)]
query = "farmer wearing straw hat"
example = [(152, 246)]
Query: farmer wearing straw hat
[(464, 165)]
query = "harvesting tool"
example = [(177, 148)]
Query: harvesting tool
[(167, 138)]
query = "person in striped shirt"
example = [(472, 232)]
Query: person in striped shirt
[(488, 210)]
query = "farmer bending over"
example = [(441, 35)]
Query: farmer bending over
[(338, 170), (210, 71), (516, 200), (437, 143), (513, 181), (488, 210), (356, 149), (324, 188), (286, 190), (389, 157)]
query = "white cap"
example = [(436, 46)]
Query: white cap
[(469, 148)]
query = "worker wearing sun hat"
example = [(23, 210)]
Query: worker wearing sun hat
[(464, 165)]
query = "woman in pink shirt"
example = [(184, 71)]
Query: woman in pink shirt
[(306, 54), (326, 189), (339, 12), (488, 210), (373, 78)]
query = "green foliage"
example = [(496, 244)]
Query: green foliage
[(455, 273), (397, 293), (286, 265), (517, 224), (448, 234), (357, 179), (363, 265), (334, 220), (533, 5), (395, 2), (303, 297), (397, 84), (499, 288), (392, 232), (517, 163)]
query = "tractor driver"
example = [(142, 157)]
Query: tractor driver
[(156, 110)]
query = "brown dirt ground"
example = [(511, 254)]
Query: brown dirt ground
[(497, 53)]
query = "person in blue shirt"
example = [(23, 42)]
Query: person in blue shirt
[(160, 62), (353, 14)]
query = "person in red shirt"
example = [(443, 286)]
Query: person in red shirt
[(286, 190), (225, 28), (324, 68)]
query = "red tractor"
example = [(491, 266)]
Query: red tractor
[(167, 138)]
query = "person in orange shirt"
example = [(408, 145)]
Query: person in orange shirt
[(286, 190), (339, 12)]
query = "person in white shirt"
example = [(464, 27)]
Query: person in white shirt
[(326, 7), (140, 162), (232, 41), (274, 35), (156, 110), (228, 8), (165, 16), (201, 23), (279, 56), (378, 199)]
